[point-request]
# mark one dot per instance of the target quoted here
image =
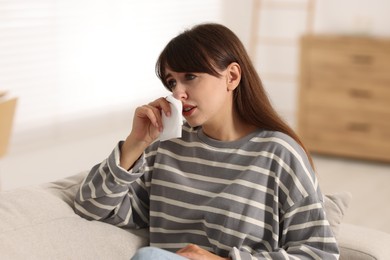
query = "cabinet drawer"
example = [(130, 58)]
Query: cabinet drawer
[(364, 135), (348, 95), (348, 58)]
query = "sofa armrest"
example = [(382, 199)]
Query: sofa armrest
[(39, 223), (361, 243)]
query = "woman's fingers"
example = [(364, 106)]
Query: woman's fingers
[(152, 113), (162, 104), (195, 252)]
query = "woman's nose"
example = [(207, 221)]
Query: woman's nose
[(179, 92)]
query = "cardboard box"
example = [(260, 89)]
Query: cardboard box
[(7, 112)]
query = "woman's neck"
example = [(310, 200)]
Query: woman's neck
[(228, 129)]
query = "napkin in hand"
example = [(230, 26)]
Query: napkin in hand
[(172, 124)]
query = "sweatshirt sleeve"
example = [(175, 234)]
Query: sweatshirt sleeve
[(114, 195)]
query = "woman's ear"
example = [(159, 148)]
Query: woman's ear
[(233, 76)]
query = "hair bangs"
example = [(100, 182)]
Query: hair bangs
[(184, 54)]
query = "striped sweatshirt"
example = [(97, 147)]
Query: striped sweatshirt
[(254, 198)]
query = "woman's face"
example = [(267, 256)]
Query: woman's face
[(206, 99)]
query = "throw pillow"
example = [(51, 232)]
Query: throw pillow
[(336, 205)]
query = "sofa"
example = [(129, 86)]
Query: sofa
[(38, 222)]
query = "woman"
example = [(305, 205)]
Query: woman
[(238, 184)]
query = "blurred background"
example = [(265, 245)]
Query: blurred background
[(79, 68)]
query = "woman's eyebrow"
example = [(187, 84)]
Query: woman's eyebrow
[(167, 76)]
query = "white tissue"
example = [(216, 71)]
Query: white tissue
[(172, 125)]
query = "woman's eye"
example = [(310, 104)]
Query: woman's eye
[(190, 76), (171, 83)]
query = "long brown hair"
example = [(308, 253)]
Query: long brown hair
[(208, 46)]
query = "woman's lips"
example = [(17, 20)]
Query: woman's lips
[(188, 110)]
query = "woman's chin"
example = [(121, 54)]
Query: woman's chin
[(193, 123)]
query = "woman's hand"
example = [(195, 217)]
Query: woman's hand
[(147, 125), (147, 121), (194, 252)]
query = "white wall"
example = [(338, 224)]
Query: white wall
[(70, 59), (362, 17), (84, 66)]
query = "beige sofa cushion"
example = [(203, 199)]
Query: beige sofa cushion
[(39, 223), (362, 243), (336, 205)]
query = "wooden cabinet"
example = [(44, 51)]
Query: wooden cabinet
[(7, 111), (344, 99)]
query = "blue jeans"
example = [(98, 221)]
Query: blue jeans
[(154, 253)]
